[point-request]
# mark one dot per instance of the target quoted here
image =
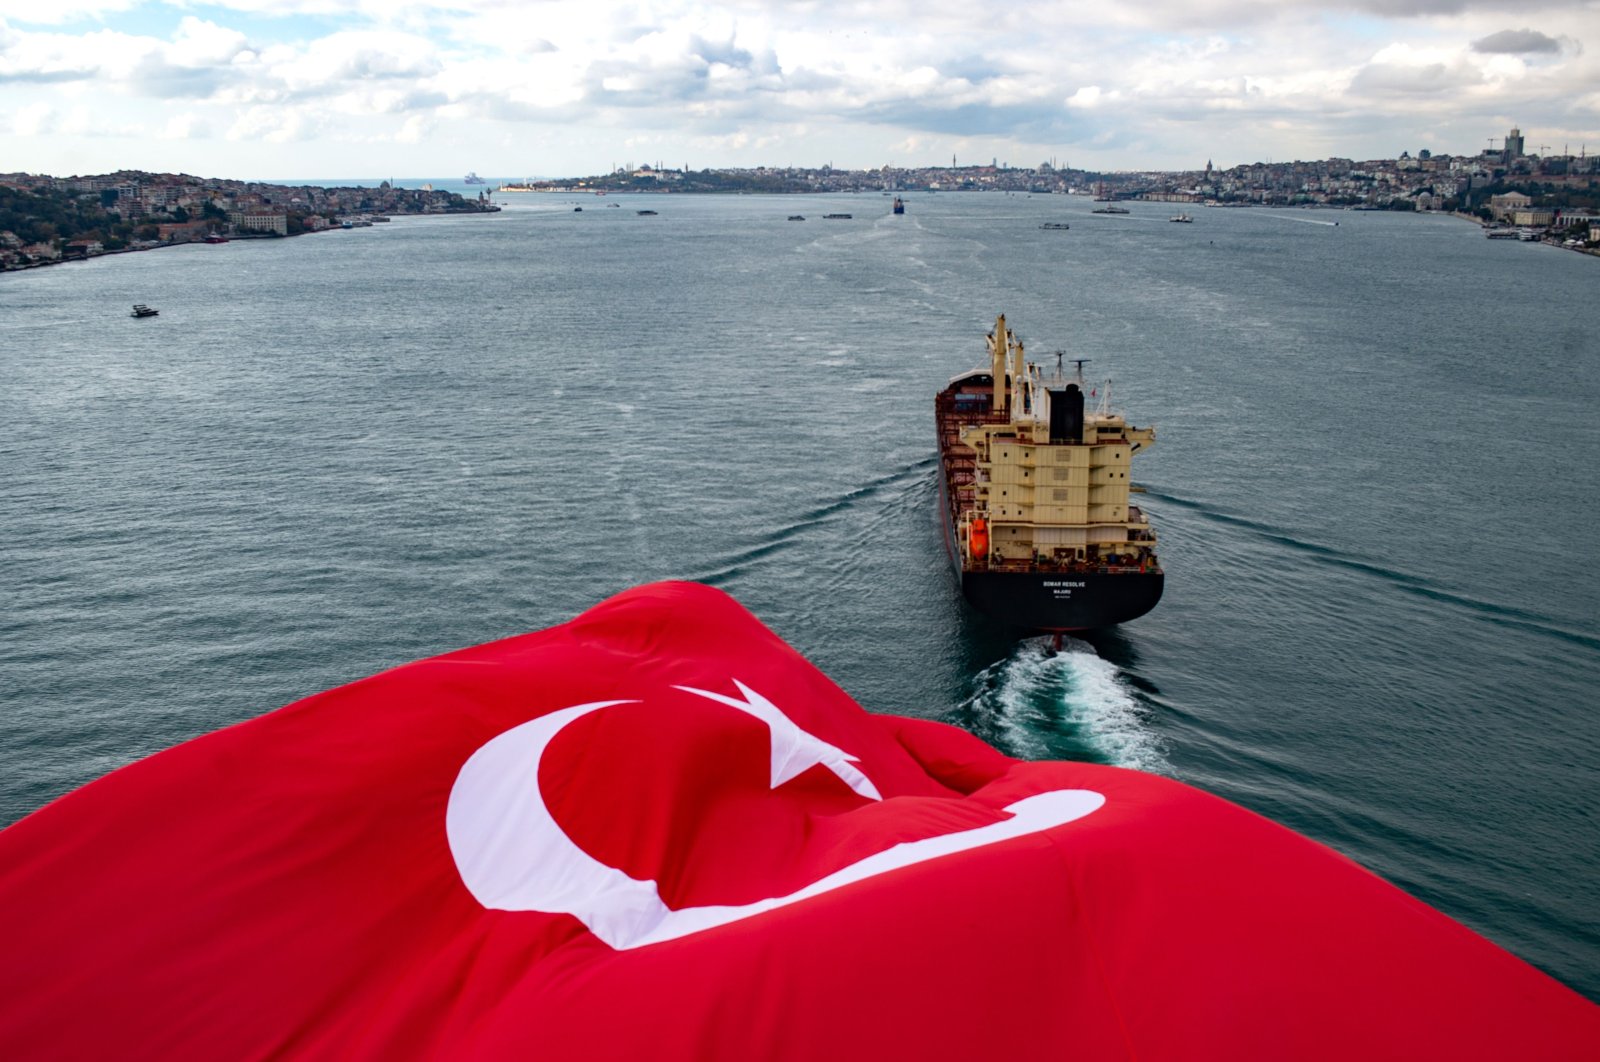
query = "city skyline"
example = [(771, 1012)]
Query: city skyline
[(328, 88)]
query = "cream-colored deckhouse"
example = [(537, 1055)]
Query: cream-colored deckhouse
[(1052, 476)]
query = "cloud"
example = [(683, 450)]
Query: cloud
[(359, 55), (557, 86), (36, 119), (59, 12), (186, 126), (275, 125), (1517, 42), (1406, 72), (415, 130)]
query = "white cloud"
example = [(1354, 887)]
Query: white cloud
[(557, 86), (201, 43), (415, 130), (274, 125), (186, 126), (361, 55), (59, 12), (36, 119), (1086, 98)]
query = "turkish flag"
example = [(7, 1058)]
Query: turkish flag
[(657, 832)]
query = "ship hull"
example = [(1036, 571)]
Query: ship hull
[(1062, 601)]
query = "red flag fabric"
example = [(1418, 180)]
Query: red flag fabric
[(657, 832)]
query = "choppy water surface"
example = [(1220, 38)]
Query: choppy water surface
[(1375, 483)]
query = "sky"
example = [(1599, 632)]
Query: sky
[(324, 89)]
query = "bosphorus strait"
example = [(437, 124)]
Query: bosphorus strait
[(1374, 482)]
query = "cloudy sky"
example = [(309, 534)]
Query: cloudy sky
[(513, 88)]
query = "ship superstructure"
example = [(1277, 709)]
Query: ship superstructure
[(1036, 495)]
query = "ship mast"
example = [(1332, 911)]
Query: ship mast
[(997, 362)]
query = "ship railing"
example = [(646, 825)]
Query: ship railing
[(1061, 568)]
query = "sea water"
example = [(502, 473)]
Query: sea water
[(1374, 483)]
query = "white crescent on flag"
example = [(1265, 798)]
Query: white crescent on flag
[(514, 856)]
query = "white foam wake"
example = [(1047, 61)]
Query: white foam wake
[(1071, 705)]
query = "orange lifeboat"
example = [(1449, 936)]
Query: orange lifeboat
[(978, 538)]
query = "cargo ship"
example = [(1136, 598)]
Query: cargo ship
[(1034, 495)]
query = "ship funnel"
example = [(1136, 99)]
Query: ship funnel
[(1066, 414)]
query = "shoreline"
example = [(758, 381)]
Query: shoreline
[(1545, 240), (69, 260)]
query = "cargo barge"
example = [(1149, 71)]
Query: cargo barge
[(1034, 495)]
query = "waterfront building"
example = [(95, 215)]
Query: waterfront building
[(259, 221), (1535, 218), (1504, 205)]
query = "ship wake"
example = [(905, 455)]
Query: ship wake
[(1072, 705)]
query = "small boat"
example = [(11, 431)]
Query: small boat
[(797, 217), (646, 213), (1055, 225), (141, 310), (577, 210), (899, 205), (1181, 218), (215, 238), (836, 217)]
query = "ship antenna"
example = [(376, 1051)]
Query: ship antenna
[(1080, 363)]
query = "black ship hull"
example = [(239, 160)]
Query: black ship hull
[(1064, 601)]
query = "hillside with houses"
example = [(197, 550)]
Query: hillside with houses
[(47, 219)]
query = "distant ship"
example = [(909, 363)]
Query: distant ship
[(1183, 219), (1033, 494), (473, 178), (1110, 210), (141, 310)]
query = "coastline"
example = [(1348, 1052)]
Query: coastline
[(47, 220), (489, 207), (65, 259)]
